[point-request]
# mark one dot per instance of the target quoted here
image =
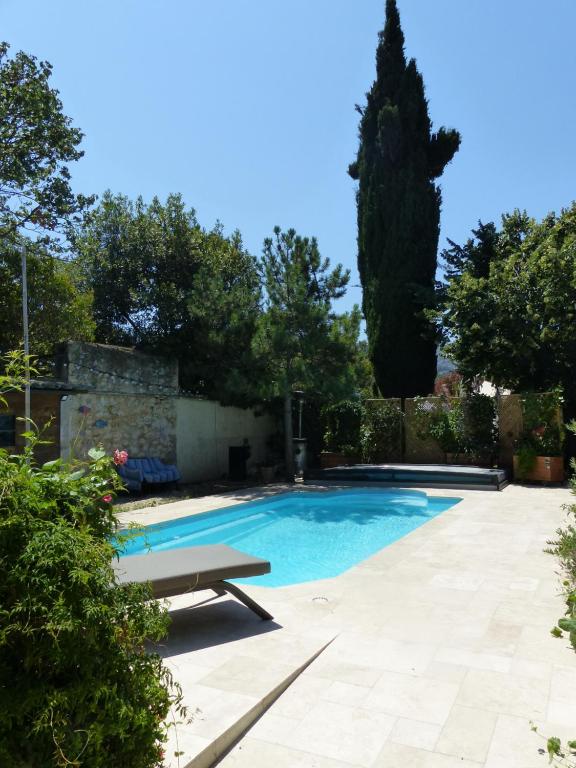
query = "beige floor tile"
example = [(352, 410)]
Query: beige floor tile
[(562, 713), (253, 753), (563, 684), (531, 668), (344, 672), (473, 659), (382, 652), (447, 672), (505, 694), (467, 733), (351, 734), (400, 756), (430, 627), (414, 733), (501, 639), (515, 745), (417, 698), (182, 741), (274, 728), (468, 582), (222, 712), (345, 693), (538, 644), (247, 675), (301, 696)]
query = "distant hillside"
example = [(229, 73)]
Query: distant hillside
[(445, 365)]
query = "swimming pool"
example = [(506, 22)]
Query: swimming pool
[(306, 535)]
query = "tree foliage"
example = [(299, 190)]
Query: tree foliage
[(399, 157), (509, 303), (163, 283), (36, 142), (57, 309), (305, 344), (300, 342)]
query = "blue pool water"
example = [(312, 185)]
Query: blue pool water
[(305, 535)]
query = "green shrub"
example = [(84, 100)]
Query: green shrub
[(564, 547), (459, 425), (77, 687), (480, 426), (381, 435), (442, 421), (343, 422)]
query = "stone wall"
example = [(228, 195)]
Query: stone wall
[(193, 434), (143, 425), (106, 368), (418, 451)]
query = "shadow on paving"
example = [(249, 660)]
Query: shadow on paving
[(205, 626)]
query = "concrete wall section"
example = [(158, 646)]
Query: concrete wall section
[(205, 431)]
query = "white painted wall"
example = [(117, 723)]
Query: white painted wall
[(204, 431)]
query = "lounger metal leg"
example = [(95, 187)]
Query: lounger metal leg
[(220, 587)]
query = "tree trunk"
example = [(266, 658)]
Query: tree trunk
[(288, 444)]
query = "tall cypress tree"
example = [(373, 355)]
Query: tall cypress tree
[(399, 217)]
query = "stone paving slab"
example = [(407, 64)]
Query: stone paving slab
[(442, 652), (446, 632)]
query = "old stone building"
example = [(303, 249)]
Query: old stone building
[(118, 397)]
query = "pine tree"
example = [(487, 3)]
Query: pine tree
[(399, 217)]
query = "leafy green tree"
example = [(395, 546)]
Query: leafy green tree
[(510, 304), (399, 157), (36, 142), (300, 341), (57, 309), (163, 283)]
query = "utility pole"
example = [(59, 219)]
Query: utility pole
[(27, 419)]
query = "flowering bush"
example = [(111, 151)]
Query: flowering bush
[(77, 687)]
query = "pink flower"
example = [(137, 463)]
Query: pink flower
[(120, 457), (107, 498)]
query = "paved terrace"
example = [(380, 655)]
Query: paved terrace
[(434, 653)]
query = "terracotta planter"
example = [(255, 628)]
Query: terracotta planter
[(546, 469)]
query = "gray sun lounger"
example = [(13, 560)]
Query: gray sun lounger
[(192, 569)]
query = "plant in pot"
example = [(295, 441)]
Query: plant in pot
[(538, 452)]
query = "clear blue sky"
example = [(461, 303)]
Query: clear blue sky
[(246, 107)]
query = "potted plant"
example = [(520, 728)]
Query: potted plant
[(538, 453), (538, 456)]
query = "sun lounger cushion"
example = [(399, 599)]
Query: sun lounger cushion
[(188, 569), (147, 470)]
